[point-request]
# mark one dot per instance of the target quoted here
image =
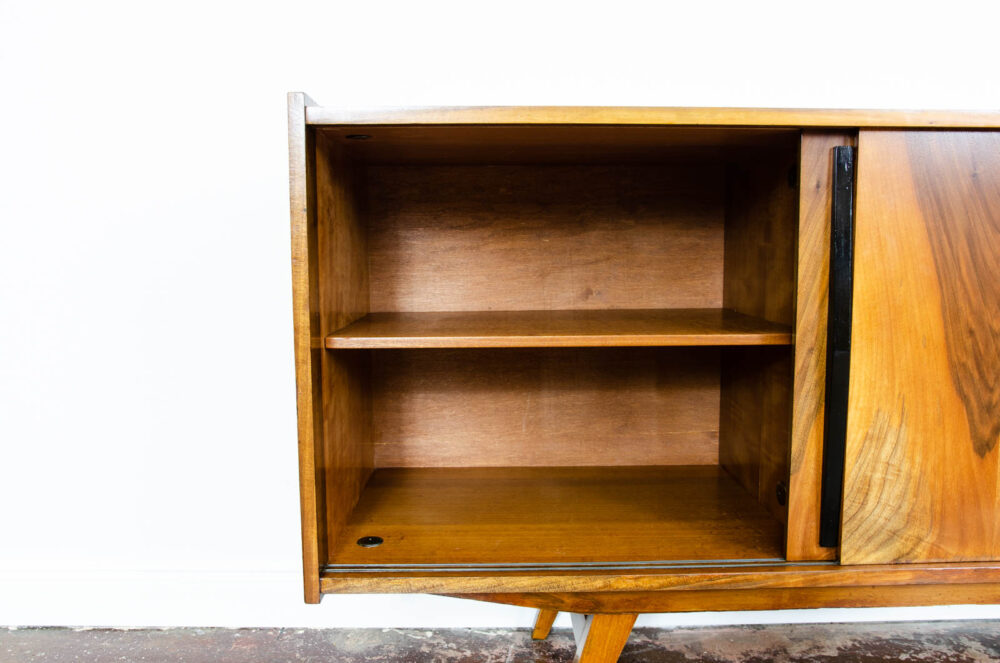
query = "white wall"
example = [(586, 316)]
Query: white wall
[(147, 423)]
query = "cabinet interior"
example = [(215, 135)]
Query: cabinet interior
[(554, 346)]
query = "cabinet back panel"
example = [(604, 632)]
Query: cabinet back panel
[(531, 237), (545, 407)]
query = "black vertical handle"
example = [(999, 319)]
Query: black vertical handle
[(838, 345)]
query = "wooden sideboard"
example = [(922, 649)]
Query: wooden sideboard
[(621, 360)]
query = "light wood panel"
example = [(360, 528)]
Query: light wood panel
[(308, 356), (923, 425), (343, 297), (509, 238), (676, 580), (525, 329), (539, 407), (813, 282), (759, 280), (760, 117), (555, 515)]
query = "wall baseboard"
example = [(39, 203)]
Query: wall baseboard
[(134, 599)]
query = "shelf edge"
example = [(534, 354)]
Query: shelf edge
[(334, 342)]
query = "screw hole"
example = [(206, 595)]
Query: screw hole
[(370, 541), (781, 493)]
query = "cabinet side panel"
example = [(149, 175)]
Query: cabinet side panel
[(759, 278), (343, 295), (812, 294), (308, 351), (923, 425)]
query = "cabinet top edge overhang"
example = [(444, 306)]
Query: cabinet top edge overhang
[(634, 115)]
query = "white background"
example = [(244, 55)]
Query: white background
[(147, 421)]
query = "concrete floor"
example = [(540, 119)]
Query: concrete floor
[(951, 642)]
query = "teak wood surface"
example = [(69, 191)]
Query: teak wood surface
[(545, 407), (922, 472), (308, 356), (523, 144), (674, 579), (709, 600), (543, 624), (555, 517), (602, 637), (542, 329), (451, 266), (813, 280), (758, 278), (341, 239), (735, 117), (481, 237)]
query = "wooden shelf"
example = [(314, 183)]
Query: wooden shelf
[(543, 329), (556, 516)]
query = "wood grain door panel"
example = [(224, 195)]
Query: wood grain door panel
[(924, 410)]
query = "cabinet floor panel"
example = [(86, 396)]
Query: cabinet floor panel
[(556, 516), (521, 329)]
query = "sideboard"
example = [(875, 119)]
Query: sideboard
[(611, 361)]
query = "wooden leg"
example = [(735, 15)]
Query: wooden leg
[(601, 638), (543, 624)]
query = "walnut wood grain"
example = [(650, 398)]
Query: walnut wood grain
[(525, 329), (813, 277), (551, 237), (752, 117), (308, 356), (545, 407), (555, 515), (921, 480)]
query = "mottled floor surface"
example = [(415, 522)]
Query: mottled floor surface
[(821, 643)]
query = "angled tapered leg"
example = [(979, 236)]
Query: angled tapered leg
[(543, 624), (601, 638)]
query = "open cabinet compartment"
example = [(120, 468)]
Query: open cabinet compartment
[(562, 347)]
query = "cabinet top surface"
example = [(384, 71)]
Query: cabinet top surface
[(636, 115)]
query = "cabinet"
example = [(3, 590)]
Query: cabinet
[(924, 417), (575, 359)]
